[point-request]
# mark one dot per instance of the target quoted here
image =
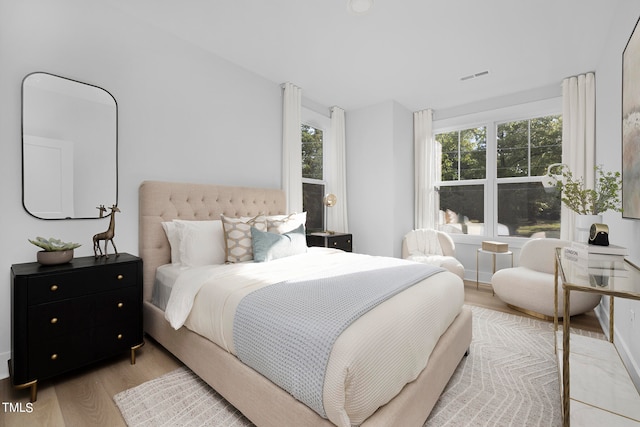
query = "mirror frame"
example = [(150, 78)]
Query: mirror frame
[(23, 148)]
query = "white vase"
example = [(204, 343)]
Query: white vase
[(583, 226)]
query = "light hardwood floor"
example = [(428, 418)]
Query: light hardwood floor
[(85, 397)]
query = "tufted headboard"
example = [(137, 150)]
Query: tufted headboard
[(165, 201)]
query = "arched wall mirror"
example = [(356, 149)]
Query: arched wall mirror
[(69, 147)]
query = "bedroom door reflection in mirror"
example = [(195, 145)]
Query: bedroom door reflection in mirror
[(69, 147)]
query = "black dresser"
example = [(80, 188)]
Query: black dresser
[(70, 315)]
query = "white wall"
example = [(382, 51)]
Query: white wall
[(184, 115), (380, 177), (625, 232)]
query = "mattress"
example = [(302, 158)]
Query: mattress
[(166, 276), (371, 361)]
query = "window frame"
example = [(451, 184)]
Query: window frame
[(491, 119), (319, 121)]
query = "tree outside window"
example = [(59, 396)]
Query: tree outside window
[(313, 184), (517, 204)]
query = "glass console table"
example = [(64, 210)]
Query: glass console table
[(596, 388)]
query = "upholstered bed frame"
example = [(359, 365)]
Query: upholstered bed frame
[(264, 403)]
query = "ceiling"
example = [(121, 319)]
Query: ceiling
[(412, 51)]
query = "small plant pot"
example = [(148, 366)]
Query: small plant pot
[(54, 257)]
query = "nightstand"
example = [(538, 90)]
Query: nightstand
[(70, 315), (331, 240)]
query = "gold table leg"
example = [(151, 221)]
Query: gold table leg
[(33, 385), (611, 319), (133, 352), (566, 395)]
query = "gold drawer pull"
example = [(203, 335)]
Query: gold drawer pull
[(120, 305), (54, 320), (119, 336), (54, 356), (53, 288), (120, 277), (335, 243)]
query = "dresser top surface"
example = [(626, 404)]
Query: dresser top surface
[(76, 263)]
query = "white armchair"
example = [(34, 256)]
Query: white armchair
[(529, 287), (432, 247)]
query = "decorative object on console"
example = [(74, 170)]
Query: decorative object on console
[(587, 203), (108, 235), (328, 201), (595, 256), (55, 251), (599, 235)]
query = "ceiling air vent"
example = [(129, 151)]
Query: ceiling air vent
[(473, 76)]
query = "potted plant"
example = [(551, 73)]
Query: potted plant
[(54, 251), (588, 203)]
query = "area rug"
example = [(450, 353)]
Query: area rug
[(510, 378)]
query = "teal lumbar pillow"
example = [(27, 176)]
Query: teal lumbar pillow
[(269, 246)]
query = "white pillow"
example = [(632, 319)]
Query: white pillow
[(201, 242), (173, 236), (285, 223)]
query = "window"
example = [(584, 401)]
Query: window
[(313, 136), (492, 175)]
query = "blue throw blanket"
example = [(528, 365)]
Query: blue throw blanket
[(286, 331)]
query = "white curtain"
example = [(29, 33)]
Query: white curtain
[(427, 169), (292, 146), (337, 215), (578, 137)]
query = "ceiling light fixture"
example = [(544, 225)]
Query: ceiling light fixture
[(359, 7)]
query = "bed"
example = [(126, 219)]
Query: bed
[(258, 398)]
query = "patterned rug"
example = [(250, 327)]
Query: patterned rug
[(510, 378)]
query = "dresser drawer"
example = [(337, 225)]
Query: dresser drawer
[(61, 317), (59, 354), (55, 287), (116, 337), (342, 242), (118, 305), (64, 317)]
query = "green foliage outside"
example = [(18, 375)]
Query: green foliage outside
[(513, 146), (471, 154), (311, 152), (524, 148)]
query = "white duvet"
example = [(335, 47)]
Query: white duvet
[(370, 362)]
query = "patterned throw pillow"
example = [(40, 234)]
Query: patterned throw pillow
[(284, 223), (237, 236)]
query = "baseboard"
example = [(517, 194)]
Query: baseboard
[(602, 313)]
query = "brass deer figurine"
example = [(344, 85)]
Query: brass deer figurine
[(108, 235)]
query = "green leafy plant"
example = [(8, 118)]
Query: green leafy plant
[(587, 201), (51, 244)]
